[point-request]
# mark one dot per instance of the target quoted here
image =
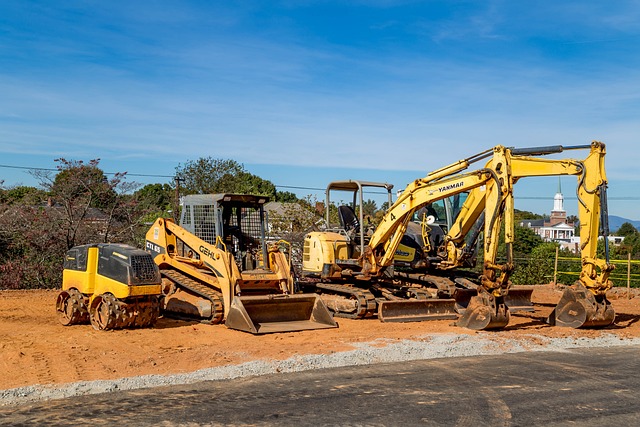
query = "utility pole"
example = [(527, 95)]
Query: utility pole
[(176, 207)]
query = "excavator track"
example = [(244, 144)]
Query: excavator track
[(201, 290), (365, 301)]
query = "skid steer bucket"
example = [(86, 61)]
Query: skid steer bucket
[(417, 310), (580, 308), (267, 314)]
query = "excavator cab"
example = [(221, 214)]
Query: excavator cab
[(353, 223)]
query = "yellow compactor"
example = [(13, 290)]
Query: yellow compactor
[(112, 286)]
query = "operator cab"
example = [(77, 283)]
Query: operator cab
[(352, 222), (235, 221)]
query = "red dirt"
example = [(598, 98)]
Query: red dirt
[(36, 349)]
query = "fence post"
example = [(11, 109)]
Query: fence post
[(629, 276), (555, 268)]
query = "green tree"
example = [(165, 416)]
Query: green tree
[(206, 175), (626, 229), (248, 183), (526, 240), (210, 175), (369, 207), (32, 248), (155, 196), (538, 268), (519, 215), (23, 195), (286, 197), (90, 204)]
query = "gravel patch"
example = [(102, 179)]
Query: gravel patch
[(431, 346)]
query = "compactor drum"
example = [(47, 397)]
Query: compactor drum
[(112, 286)]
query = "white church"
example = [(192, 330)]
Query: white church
[(556, 228)]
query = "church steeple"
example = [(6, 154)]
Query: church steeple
[(558, 199)]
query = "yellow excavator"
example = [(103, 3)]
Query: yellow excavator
[(218, 267), (420, 266), (350, 282)]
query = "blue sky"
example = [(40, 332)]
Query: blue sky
[(305, 92)]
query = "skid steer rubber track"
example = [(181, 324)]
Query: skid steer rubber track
[(203, 291)]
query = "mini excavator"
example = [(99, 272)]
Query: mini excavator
[(357, 287)]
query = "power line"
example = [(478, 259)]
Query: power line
[(299, 188), (294, 187), (106, 173)]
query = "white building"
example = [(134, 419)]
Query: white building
[(556, 228)]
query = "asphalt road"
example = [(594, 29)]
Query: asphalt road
[(583, 387)]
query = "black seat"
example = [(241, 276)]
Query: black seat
[(348, 218)]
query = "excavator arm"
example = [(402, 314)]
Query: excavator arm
[(386, 238), (584, 304)]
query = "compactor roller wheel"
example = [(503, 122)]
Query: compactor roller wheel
[(104, 313), (147, 313), (71, 308)]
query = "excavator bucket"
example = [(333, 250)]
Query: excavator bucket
[(267, 314), (462, 297), (483, 313), (417, 310), (519, 299), (580, 308)]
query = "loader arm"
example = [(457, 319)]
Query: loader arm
[(208, 283), (205, 263)]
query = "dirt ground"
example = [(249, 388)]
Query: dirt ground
[(36, 349)]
